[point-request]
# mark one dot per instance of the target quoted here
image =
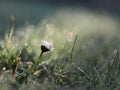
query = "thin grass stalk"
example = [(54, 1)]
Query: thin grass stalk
[(71, 55), (12, 26)]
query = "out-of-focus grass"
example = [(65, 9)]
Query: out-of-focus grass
[(89, 61)]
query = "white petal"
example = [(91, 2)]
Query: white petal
[(47, 45)]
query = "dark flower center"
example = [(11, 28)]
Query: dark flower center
[(44, 48)]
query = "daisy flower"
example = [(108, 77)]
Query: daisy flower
[(45, 47)]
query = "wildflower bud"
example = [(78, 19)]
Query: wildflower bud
[(15, 64), (70, 36), (30, 64)]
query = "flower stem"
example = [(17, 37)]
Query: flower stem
[(40, 55)]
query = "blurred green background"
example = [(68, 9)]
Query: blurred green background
[(84, 33), (33, 11)]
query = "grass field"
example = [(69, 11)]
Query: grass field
[(85, 55)]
